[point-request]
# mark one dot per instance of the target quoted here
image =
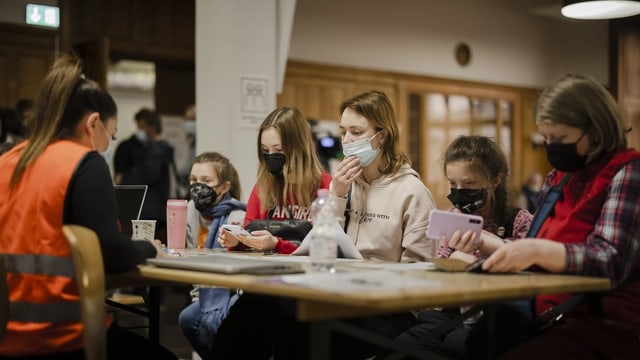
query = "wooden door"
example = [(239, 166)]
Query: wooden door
[(26, 54)]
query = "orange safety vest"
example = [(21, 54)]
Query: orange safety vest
[(44, 309)]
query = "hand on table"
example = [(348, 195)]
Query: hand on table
[(160, 248), (260, 240)]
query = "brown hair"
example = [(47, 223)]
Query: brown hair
[(302, 169), (376, 107), (484, 157), (225, 170), (63, 100), (580, 101)]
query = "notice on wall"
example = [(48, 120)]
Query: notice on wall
[(253, 101)]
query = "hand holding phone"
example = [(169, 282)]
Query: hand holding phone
[(476, 267), (235, 230), (445, 223)]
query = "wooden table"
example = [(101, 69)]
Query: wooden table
[(450, 289)]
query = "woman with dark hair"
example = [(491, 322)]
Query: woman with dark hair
[(56, 177)]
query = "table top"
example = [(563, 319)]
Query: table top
[(374, 291)]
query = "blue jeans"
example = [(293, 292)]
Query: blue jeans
[(200, 320)]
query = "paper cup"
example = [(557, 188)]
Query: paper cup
[(143, 229)]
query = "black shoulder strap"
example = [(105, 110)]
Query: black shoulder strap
[(547, 205), (347, 211)]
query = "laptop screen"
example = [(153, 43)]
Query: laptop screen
[(129, 200)]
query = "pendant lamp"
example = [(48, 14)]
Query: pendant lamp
[(599, 9)]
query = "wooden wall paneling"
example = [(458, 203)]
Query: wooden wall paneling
[(6, 83), (95, 59), (120, 20), (175, 87), (27, 54), (137, 29), (625, 72), (31, 70), (319, 89), (401, 107)]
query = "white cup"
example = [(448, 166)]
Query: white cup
[(143, 229)]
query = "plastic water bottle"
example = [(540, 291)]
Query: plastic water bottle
[(323, 249)]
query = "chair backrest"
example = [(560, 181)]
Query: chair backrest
[(4, 297), (87, 258)]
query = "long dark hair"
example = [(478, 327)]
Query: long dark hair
[(485, 157)]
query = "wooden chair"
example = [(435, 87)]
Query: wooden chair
[(4, 297), (87, 258)]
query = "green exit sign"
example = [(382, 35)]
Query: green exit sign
[(41, 15)]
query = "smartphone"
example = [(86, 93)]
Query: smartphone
[(235, 230), (445, 223), (476, 267)]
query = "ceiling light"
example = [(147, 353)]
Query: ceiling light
[(599, 9)]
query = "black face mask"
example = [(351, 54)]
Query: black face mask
[(468, 200), (275, 163), (203, 196), (565, 157)]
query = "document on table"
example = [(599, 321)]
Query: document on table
[(359, 281), (393, 266)]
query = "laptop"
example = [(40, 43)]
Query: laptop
[(129, 201), (227, 264)]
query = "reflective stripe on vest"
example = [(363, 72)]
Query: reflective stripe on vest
[(40, 264), (45, 312), (48, 265)]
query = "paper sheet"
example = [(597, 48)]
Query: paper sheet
[(359, 281), (394, 266)]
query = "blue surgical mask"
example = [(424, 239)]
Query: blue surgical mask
[(108, 153), (190, 127), (362, 150), (141, 135)]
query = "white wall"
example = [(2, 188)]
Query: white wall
[(510, 45), (236, 44)]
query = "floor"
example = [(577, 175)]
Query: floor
[(174, 299)]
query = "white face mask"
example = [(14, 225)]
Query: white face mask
[(141, 135), (107, 153), (190, 127), (362, 150)]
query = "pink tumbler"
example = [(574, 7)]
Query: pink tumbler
[(176, 225)]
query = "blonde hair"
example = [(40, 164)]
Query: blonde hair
[(302, 170), (63, 100), (376, 107), (225, 170)]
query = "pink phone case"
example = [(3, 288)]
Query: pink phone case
[(445, 223)]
